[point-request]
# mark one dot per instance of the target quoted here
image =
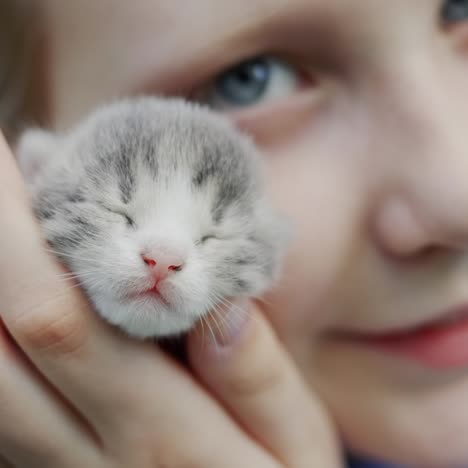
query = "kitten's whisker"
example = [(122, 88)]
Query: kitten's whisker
[(219, 326), (91, 260), (202, 321), (218, 314), (212, 334), (234, 307), (64, 280), (78, 275), (236, 314), (203, 327)]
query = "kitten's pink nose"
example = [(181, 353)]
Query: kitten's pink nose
[(163, 264)]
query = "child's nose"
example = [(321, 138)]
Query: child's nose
[(424, 206), (428, 211)]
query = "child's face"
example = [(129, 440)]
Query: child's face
[(362, 115)]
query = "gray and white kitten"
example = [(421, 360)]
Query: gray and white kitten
[(157, 206)]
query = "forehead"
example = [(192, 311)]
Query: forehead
[(102, 49)]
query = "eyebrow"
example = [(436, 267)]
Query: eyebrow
[(321, 30), (257, 15), (243, 36)]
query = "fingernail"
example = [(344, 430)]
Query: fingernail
[(228, 323)]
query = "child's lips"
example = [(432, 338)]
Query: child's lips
[(440, 344)]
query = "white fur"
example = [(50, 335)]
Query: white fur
[(170, 214)]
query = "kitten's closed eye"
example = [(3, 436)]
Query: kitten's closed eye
[(207, 237), (129, 220), (124, 215)]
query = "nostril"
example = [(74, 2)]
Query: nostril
[(175, 267), (149, 261)]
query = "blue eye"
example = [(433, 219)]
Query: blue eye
[(454, 11), (245, 83), (250, 83)]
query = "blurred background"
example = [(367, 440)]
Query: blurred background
[(21, 64)]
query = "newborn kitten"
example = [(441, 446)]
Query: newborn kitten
[(156, 205)]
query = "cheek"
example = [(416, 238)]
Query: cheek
[(209, 271), (195, 287), (116, 254), (319, 190)]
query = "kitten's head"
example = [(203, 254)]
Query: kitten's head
[(157, 207)]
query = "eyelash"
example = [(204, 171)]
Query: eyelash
[(206, 238), (127, 218)]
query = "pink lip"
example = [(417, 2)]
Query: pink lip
[(152, 292), (442, 344), (156, 293)]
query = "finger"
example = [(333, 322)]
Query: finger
[(36, 428), (52, 322), (246, 367), (187, 426), (121, 386)]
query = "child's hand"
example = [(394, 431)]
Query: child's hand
[(76, 393)]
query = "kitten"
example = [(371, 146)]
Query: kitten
[(157, 206)]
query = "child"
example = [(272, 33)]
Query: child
[(359, 108)]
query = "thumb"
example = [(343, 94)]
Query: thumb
[(11, 182), (238, 357)]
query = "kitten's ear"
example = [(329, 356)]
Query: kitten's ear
[(33, 150)]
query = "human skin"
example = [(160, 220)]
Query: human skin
[(77, 392), (367, 158)]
